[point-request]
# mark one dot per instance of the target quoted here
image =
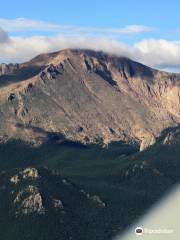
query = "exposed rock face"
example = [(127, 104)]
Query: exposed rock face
[(29, 198), (15, 179), (33, 203), (29, 193), (87, 96), (31, 173), (173, 137), (30, 201), (6, 69), (57, 203), (94, 198)]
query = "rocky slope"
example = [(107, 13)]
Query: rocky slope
[(28, 196), (86, 96)]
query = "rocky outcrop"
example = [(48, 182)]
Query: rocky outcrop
[(6, 69), (29, 198), (28, 173), (33, 203), (29, 201), (95, 198), (42, 193), (172, 137), (89, 97), (57, 203)]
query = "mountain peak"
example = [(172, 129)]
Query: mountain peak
[(87, 96)]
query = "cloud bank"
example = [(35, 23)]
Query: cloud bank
[(155, 53), (158, 53)]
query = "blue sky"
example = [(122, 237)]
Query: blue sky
[(101, 13), (163, 15), (132, 27)]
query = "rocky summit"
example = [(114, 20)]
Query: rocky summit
[(86, 96)]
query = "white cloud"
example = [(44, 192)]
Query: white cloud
[(157, 53), (23, 24), (160, 52), (22, 49), (3, 36)]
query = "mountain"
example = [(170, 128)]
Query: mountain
[(87, 97), (71, 126)]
